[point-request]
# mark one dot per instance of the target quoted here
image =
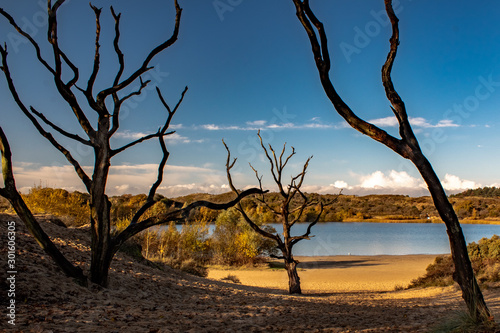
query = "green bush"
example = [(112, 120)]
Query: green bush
[(235, 243), (74, 206), (187, 250), (485, 259)]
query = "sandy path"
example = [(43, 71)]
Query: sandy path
[(338, 273)]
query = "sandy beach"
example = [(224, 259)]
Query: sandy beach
[(341, 294), (338, 273)]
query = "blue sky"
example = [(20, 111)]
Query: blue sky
[(248, 66)]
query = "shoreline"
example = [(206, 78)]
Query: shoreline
[(327, 274)]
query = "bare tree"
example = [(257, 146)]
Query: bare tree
[(292, 206), (10, 193), (104, 244), (407, 146)]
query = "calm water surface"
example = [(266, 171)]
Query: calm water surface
[(363, 238), (358, 238)]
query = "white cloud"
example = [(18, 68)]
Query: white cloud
[(446, 123), (181, 180), (340, 184), (281, 126), (129, 135), (263, 125), (257, 123), (414, 121), (177, 138), (454, 183), (316, 125), (213, 127), (322, 189), (385, 122), (394, 179), (172, 138), (122, 179), (175, 126)]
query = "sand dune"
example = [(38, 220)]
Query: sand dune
[(342, 294)]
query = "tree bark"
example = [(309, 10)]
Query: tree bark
[(463, 274), (407, 146), (293, 276), (12, 195), (100, 209)]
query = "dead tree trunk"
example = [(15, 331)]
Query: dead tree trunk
[(464, 274), (293, 276), (12, 195), (407, 146), (289, 212), (103, 244)]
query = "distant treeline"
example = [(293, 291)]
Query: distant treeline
[(485, 192), (477, 204)]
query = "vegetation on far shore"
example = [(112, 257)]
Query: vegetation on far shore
[(472, 206)]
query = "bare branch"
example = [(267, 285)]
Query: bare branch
[(101, 96), (295, 240), (166, 105), (301, 208), (11, 193), (161, 131), (56, 72), (116, 46), (249, 221), (277, 257), (95, 70), (165, 154), (59, 129), (276, 177), (79, 170), (229, 166), (258, 229), (133, 143), (322, 59), (52, 35), (177, 215), (29, 38), (397, 103), (118, 103)]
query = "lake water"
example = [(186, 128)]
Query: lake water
[(363, 238), (336, 238)]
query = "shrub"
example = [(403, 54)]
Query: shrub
[(232, 278), (485, 259), (235, 243), (58, 202)]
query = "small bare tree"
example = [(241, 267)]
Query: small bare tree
[(105, 106), (407, 146), (292, 205)]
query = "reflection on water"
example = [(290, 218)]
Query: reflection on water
[(361, 238)]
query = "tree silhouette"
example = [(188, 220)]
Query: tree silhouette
[(407, 146), (105, 106), (292, 205)]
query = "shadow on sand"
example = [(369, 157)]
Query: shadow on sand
[(324, 264)]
